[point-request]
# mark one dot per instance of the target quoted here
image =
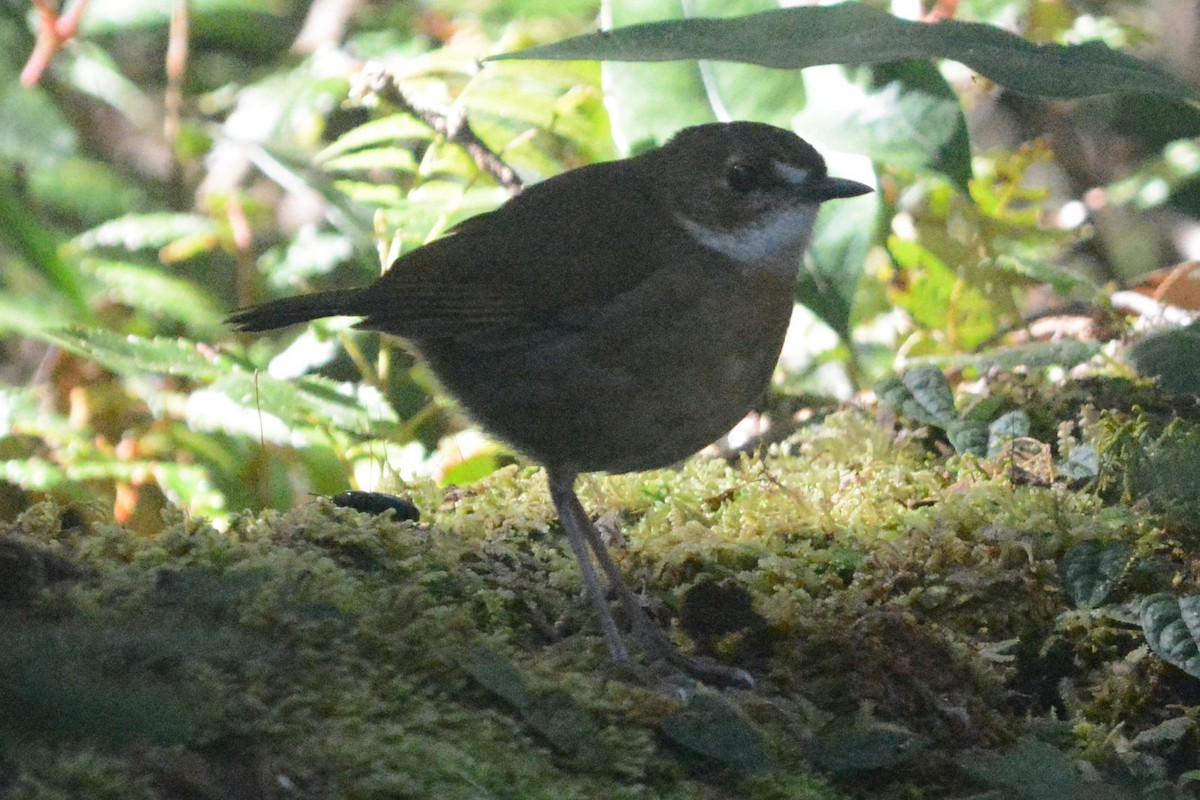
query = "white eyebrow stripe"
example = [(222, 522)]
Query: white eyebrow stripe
[(790, 174)]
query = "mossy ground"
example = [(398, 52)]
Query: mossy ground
[(902, 610)]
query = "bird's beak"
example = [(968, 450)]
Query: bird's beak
[(835, 188)]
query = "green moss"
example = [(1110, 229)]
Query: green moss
[(902, 606)]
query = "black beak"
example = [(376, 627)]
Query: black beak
[(835, 188)]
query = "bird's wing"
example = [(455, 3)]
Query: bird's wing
[(568, 244)]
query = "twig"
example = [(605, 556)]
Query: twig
[(53, 32), (452, 125)]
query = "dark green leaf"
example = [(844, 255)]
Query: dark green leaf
[(1171, 626), (1013, 425), (1090, 570), (563, 723), (495, 673), (1066, 353), (1032, 770), (1172, 357), (710, 728), (853, 33), (861, 749), (968, 436), (834, 264), (931, 393)]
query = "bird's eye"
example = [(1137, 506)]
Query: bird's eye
[(742, 177)]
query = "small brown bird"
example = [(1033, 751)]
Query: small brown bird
[(617, 317)]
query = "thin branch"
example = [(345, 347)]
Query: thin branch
[(452, 125)]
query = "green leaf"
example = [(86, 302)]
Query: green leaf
[(1032, 770), (495, 673), (558, 718), (377, 131), (136, 355), (29, 239), (309, 254), (150, 290), (1066, 353), (708, 727), (933, 399), (968, 436), (1172, 357), (396, 158), (647, 103), (870, 747), (1091, 569), (1171, 626), (853, 33), (310, 401), (1013, 425), (835, 261), (142, 231), (903, 114), (1082, 462)]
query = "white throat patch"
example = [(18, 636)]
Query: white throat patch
[(787, 229)]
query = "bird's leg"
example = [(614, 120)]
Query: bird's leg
[(651, 637), (575, 523)]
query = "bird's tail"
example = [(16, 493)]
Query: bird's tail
[(302, 308)]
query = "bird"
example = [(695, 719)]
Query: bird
[(617, 317)]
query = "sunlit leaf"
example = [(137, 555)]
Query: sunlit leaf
[(156, 293), (142, 231), (397, 127)]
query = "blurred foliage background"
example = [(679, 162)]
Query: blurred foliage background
[(172, 161)]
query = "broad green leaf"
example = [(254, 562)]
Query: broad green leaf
[(834, 263), (1172, 357), (712, 729), (308, 402), (1031, 770), (647, 103), (566, 726), (902, 114), (1171, 626), (1091, 569), (968, 436), (865, 748), (23, 233), (853, 33), (1013, 425), (495, 673), (1066, 353), (931, 392)]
